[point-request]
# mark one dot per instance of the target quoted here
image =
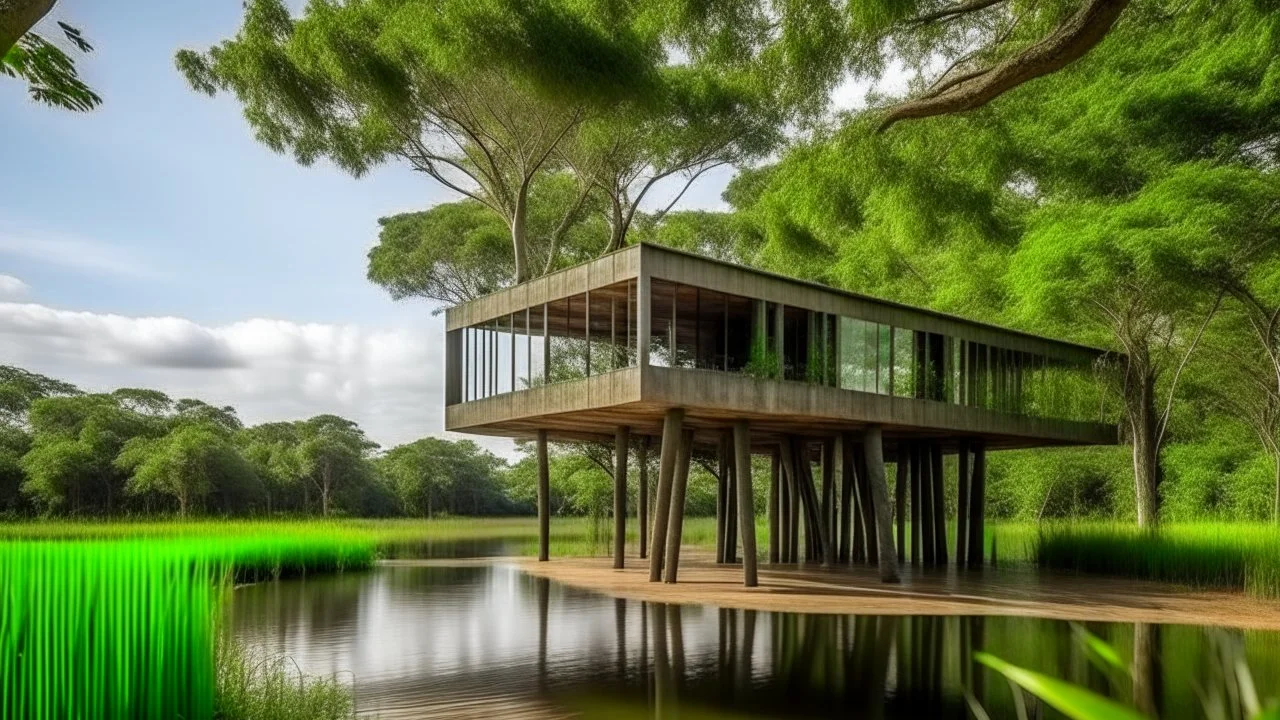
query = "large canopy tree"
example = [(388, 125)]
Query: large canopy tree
[(476, 95)]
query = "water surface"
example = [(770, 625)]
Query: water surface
[(486, 640)]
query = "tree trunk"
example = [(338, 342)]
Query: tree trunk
[(1275, 508), (325, 487), (17, 17), (520, 233), (1146, 451)]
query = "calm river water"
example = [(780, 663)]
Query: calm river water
[(485, 640)]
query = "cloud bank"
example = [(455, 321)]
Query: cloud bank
[(389, 380)]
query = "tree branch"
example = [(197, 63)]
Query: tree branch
[(1067, 43), (951, 11)]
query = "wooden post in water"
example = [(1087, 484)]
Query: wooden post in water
[(746, 505), (672, 429), (621, 448), (939, 506), (900, 489), (926, 503), (873, 447), (962, 506), (829, 496), (977, 506), (774, 500), (915, 504), (722, 497), (848, 539), (544, 499), (675, 526), (643, 500), (869, 521)]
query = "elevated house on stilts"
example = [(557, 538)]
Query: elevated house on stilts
[(656, 350)]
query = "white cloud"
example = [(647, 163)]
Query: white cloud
[(390, 380), (11, 288), (72, 252)]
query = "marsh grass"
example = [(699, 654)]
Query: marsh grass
[(1231, 556), (252, 685)]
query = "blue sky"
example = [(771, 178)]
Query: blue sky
[(156, 229)]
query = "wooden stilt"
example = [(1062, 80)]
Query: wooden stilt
[(977, 507), (848, 540), (815, 529), (869, 521), (873, 447), (795, 511), (731, 516), (900, 490), (672, 429), (926, 505), (746, 506), (939, 506), (784, 506), (621, 448), (544, 499), (722, 496), (829, 496), (962, 505), (642, 499), (774, 500), (915, 504), (675, 526)]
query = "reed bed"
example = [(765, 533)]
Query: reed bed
[(1232, 556)]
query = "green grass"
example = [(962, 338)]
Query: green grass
[(1232, 556), (254, 686)]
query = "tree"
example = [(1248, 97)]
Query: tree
[(186, 464), (432, 475), (459, 251), (20, 388), (332, 451), (50, 72), (272, 450), (476, 96), (75, 440)]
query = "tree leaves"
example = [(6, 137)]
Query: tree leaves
[(50, 73)]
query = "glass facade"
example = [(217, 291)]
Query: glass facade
[(595, 332)]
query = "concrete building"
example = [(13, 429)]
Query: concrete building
[(650, 347)]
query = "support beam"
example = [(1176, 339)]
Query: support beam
[(977, 506), (939, 505), (870, 534), (621, 449), (672, 429), (926, 504), (900, 490), (544, 499), (643, 498), (873, 448), (675, 526), (817, 541), (731, 507), (915, 504), (829, 495), (746, 505), (774, 509), (848, 541), (962, 505), (722, 496)]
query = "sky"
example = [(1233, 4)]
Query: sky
[(155, 243)]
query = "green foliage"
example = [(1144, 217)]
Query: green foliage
[(1071, 700), (186, 464), (251, 685), (431, 476), (50, 73), (1060, 483)]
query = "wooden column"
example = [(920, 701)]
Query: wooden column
[(544, 499), (977, 506), (621, 448), (848, 540), (672, 429), (746, 505), (675, 526), (869, 521), (817, 540), (643, 498), (774, 509), (900, 489), (926, 504), (722, 496), (784, 504), (731, 506), (939, 506), (962, 505), (873, 447), (915, 504), (829, 494)]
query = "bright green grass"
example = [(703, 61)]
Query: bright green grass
[(1234, 556)]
